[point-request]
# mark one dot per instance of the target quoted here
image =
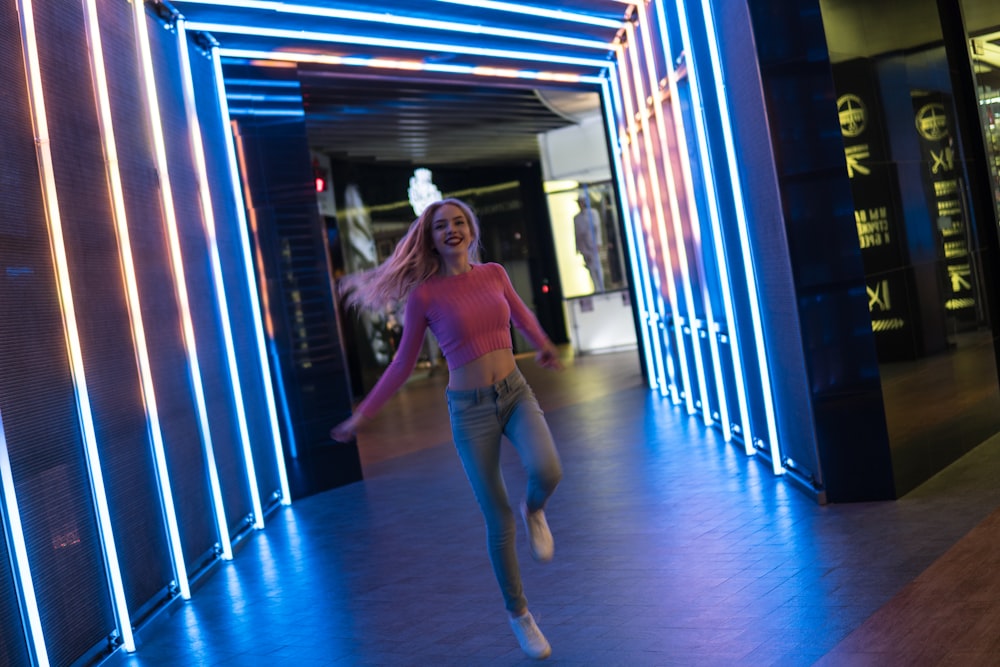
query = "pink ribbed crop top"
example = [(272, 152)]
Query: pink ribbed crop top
[(470, 314)]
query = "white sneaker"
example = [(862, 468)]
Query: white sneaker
[(539, 536), (531, 639)]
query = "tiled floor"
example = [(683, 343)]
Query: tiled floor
[(671, 549)]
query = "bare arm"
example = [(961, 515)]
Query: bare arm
[(547, 355), (414, 325)]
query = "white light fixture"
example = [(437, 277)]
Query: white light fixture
[(422, 191)]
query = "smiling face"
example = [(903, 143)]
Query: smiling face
[(451, 232)]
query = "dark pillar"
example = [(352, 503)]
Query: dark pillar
[(306, 344)]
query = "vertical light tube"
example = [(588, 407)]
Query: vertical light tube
[(58, 245), (675, 212), (638, 197), (272, 347), (15, 537), (741, 219), (248, 265), (180, 281), (652, 182), (215, 262), (640, 273), (132, 294), (711, 197), (659, 378)]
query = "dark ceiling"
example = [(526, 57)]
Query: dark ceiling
[(445, 114)]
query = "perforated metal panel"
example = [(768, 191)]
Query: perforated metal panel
[(13, 646), (237, 291), (106, 338), (160, 309), (201, 290), (36, 388)]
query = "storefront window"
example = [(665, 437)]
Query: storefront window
[(983, 24), (588, 245), (591, 266)]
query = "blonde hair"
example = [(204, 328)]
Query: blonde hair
[(413, 261)]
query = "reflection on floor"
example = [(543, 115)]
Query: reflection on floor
[(672, 548), (940, 407)]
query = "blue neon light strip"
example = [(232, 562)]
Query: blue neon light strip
[(252, 111), (15, 538), (408, 66), (652, 183), (180, 281), (638, 194), (132, 297), (535, 11), (680, 147), (660, 378), (74, 349), (385, 42), (712, 194), (408, 21), (662, 374), (257, 97), (265, 83), (251, 282), (741, 216), (222, 302), (610, 113), (694, 225)]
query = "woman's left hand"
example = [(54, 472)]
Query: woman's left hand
[(347, 430), (548, 357)]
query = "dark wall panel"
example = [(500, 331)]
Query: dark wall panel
[(36, 389), (238, 296), (102, 311), (201, 288), (816, 303), (21, 254), (293, 242), (160, 311), (778, 305)]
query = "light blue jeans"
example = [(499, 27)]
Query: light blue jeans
[(479, 418)]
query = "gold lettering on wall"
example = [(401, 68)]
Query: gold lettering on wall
[(854, 155), (945, 188), (931, 121), (955, 249), (853, 115), (960, 275), (878, 296), (873, 226)]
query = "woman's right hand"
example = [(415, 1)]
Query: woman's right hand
[(347, 430)]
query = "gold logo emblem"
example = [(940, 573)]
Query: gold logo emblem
[(932, 123), (853, 115)]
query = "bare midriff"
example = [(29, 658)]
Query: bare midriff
[(483, 371)]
